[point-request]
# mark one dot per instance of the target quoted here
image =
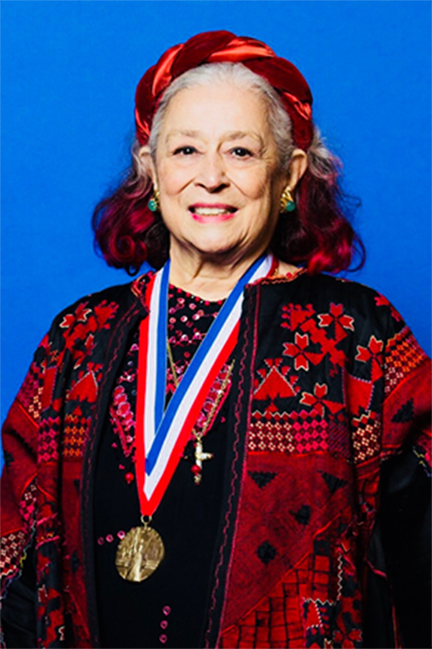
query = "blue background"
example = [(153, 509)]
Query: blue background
[(69, 74)]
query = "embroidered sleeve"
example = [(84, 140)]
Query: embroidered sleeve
[(18, 482), (407, 390), (404, 517)]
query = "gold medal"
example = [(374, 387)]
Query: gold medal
[(139, 553)]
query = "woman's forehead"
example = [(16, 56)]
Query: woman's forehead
[(222, 108)]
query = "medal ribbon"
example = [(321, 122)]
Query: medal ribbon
[(162, 436)]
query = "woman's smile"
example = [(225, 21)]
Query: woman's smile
[(212, 213)]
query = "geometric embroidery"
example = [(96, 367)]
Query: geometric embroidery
[(405, 413), (11, 551), (48, 439), (31, 391), (298, 611), (294, 432), (333, 482), (275, 380), (13, 544), (366, 434), (75, 433), (303, 515), (325, 625), (266, 552), (339, 436), (262, 478), (403, 354), (28, 504)]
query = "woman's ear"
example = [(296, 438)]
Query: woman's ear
[(297, 167), (147, 165)]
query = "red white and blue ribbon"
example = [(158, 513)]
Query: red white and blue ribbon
[(161, 435)]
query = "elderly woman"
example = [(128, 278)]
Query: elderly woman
[(231, 451)]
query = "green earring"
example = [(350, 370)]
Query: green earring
[(153, 203), (287, 203)]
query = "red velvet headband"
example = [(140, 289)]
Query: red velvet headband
[(223, 46)]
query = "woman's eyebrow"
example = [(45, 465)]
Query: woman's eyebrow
[(183, 132), (238, 135), (230, 135)]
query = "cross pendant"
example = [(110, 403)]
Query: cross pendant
[(200, 456)]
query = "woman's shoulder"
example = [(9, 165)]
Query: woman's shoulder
[(324, 285), (98, 309), (327, 294)]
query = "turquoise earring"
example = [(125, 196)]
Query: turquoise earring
[(153, 203), (287, 203)]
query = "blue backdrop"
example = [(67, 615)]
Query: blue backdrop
[(69, 74)]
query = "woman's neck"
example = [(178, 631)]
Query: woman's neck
[(208, 278)]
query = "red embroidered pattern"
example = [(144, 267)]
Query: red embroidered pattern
[(49, 431), (12, 549), (299, 613), (275, 379), (30, 394), (76, 428), (14, 544), (296, 432), (403, 354), (366, 436), (320, 337), (84, 323), (319, 402)]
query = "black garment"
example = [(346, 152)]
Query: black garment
[(18, 615), (168, 608)]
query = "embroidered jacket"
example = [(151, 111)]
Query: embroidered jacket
[(327, 461)]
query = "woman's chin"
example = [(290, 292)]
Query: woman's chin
[(217, 247)]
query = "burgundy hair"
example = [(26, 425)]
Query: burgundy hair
[(126, 232), (317, 234)]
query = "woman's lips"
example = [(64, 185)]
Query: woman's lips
[(215, 213)]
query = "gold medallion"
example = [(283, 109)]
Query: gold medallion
[(139, 553)]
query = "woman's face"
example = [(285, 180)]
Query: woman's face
[(218, 173)]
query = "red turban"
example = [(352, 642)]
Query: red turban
[(223, 46)]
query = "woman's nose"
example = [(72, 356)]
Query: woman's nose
[(212, 174)]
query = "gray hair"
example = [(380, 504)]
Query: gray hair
[(239, 75), (321, 162)]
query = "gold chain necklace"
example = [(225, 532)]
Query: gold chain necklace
[(200, 455)]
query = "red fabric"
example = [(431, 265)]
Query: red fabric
[(223, 46)]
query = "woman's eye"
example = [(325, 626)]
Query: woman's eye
[(185, 150), (241, 152)]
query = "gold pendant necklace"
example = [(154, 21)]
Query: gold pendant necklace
[(140, 552), (199, 455)]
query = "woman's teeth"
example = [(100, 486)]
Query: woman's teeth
[(212, 211)]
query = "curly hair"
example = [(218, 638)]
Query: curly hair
[(318, 234)]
